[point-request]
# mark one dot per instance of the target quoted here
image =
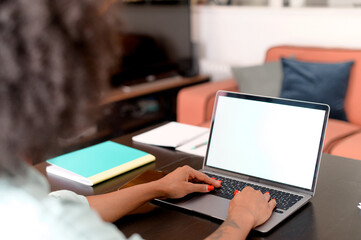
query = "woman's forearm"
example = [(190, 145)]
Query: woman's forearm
[(231, 229), (114, 205)]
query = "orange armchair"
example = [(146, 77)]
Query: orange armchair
[(195, 104)]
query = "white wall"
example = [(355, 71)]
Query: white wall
[(237, 35)]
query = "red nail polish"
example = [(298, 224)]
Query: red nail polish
[(213, 178), (235, 192), (219, 181), (210, 187), (267, 193)]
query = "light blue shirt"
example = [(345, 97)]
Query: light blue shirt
[(28, 211)]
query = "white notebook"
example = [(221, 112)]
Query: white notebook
[(176, 135), (197, 146)]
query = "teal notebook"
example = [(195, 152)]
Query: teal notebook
[(98, 163)]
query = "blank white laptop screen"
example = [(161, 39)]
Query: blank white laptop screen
[(266, 140)]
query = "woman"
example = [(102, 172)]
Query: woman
[(55, 56)]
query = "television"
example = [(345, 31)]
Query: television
[(156, 41)]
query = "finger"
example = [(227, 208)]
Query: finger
[(267, 196), (272, 204), (194, 187), (248, 189), (204, 178)]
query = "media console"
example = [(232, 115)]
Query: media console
[(129, 108)]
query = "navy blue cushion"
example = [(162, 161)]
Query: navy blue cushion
[(317, 82)]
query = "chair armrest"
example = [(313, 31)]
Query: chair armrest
[(195, 104)]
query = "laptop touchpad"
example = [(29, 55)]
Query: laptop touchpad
[(210, 205)]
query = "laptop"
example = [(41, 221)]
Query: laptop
[(270, 144)]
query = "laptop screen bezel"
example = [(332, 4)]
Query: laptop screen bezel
[(288, 102)]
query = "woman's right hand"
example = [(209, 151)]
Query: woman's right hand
[(248, 209), (253, 205)]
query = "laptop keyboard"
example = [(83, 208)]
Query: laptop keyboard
[(284, 200)]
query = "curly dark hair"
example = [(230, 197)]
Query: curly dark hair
[(55, 58)]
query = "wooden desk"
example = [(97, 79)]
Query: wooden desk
[(332, 214)]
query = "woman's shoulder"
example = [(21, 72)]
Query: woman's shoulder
[(27, 214)]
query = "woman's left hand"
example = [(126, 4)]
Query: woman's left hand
[(185, 180)]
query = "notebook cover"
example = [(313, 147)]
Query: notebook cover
[(172, 134), (102, 161)]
